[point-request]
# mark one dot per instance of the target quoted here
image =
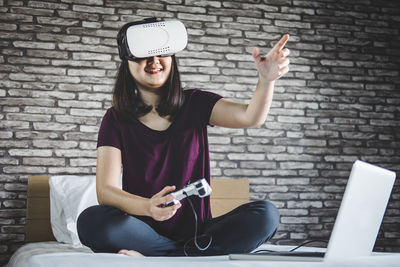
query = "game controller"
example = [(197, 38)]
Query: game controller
[(200, 188)]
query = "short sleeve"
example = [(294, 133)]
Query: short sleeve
[(109, 133), (203, 103)]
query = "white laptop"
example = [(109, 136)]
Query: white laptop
[(358, 221)]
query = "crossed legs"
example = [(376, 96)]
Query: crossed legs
[(108, 229)]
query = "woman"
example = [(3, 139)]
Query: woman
[(156, 134)]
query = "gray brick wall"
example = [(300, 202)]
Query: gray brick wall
[(340, 101)]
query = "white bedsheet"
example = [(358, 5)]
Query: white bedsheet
[(54, 254)]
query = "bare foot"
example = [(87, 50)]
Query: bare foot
[(132, 253)]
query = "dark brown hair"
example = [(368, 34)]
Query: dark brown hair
[(127, 100)]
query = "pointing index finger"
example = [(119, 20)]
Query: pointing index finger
[(279, 45)]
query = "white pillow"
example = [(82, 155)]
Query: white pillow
[(69, 196)]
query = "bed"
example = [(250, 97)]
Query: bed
[(43, 249)]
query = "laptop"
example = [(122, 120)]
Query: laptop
[(357, 223)]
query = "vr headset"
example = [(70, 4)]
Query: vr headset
[(152, 37)]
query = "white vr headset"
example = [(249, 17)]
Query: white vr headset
[(151, 37)]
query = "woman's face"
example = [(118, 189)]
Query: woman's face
[(151, 73)]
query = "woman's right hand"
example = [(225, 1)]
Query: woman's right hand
[(156, 209)]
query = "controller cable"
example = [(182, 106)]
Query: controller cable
[(299, 246), (195, 232)]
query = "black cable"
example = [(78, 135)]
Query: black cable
[(195, 231), (299, 246), (307, 242)]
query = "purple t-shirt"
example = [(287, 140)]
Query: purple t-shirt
[(153, 159)]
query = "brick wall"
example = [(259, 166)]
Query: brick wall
[(340, 101)]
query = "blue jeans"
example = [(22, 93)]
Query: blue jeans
[(108, 229)]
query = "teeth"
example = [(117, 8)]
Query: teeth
[(154, 70)]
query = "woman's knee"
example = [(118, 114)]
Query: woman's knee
[(88, 218), (94, 226), (269, 217)]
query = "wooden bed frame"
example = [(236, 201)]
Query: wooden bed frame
[(227, 194)]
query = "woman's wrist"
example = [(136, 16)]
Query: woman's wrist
[(137, 205), (147, 207), (263, 82)]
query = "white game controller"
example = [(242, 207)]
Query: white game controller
[(200, 188)]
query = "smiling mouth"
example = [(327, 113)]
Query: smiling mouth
[(154, 71)]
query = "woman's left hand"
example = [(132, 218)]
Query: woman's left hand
[(275, 64)]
